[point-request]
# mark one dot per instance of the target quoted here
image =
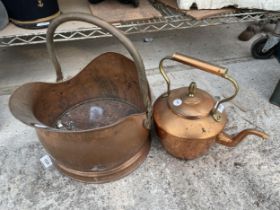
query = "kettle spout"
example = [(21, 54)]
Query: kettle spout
[(226, 140)]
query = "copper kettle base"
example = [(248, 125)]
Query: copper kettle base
[(98, 177)]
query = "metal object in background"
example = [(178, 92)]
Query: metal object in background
[(95, 1), (32, 14), (171, 20), (4, 19), (252, 30), (135, 3), (275, 97), (188, 120), (264, 47), (96, 125)]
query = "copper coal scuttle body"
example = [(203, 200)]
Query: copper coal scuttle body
[(95, 126)]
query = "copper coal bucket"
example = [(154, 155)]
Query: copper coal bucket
[(95, 126)]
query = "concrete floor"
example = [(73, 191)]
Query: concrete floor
[(246, 177)]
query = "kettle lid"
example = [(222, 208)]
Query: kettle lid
[(191, 102)]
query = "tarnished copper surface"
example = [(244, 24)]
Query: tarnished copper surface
[(196, 106), (184, 128), (94, 113), (95, 126), (185, 138), (115, 173), (98, 152), (188, 120), (229, 141), (184, 148)]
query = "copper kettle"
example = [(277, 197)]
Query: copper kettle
[(189, 120)]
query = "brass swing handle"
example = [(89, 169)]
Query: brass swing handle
[(143, 82), (202, 65)]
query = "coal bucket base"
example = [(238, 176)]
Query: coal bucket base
[(109, 175)]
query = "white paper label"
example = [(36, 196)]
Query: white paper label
[(221, 108), (177, 102), (46, 161), (43, 24)]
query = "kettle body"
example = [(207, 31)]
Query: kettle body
[(182, 137), (189, 120)]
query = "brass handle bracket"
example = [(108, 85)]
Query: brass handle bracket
[(163, 73), (205, 66), (215, 112)]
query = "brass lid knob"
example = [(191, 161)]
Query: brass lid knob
[(192, 89)]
